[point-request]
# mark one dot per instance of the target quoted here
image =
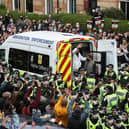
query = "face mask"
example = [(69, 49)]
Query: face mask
[(3, 29), (77, 26)]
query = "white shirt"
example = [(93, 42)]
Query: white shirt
[(77, 60)]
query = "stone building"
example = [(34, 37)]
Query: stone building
[(64, 6)]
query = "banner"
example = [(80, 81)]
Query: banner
[(89, 24), (97, 20)]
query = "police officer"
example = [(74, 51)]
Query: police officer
[(110, 100), (47, 92), (126, 105), (77, 83), (108, 123), (102, 113), (123, 77), (59, 83), (94, 102), (99, 90), (34, 90), (90, 82), (110, 73), (122, 95), (83, 73), (118, 124), (124, 118), (94, 121)]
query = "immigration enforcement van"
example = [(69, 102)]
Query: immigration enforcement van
[(38, 51)]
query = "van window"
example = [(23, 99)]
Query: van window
[(85, 50), (38, 63), (18, 59), (2, 54), (28, 61)]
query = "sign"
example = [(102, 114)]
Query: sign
[(115, 24), (89, 25), (97, 20)]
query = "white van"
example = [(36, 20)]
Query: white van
[(39, 51)]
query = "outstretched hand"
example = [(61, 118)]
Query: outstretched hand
[(79, 45)]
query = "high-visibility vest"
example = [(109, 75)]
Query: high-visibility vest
[(33, 91), (111, 85), (125, 125), (76, 87), (127, 107), (91, 83), (121, 93), (109, 74), (90, 125), (112, 100), (59, 86), (102, 93)]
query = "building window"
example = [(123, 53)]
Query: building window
[(28, 5), (16, 5), (124, 6), (71, 6), (48, 6)]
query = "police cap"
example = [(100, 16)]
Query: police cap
[(76, 74), (16, 71), (110, 66), (91, 75), (59, 75), (118, 121), (82, 69), (110, 117)]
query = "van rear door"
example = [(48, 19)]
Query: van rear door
[(109, 47), (64, 61)]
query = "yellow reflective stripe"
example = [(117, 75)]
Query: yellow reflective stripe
[(65, 64), (60, 48), (68, 73)]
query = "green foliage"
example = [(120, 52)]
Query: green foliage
[(2, 6), (113, 13), (72, 18)]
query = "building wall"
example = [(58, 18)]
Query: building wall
[(22, 6), (80, 6), (108, 3), (39, 6), (62, 6), (8, 4)]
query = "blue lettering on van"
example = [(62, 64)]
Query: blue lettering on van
[(42, 40), (21, 37), (33, 39)]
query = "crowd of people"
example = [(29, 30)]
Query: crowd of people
[(91, 103)]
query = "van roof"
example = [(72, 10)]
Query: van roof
[(47, 37)]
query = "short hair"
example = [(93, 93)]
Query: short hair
[(90, 55), (64, 103)]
